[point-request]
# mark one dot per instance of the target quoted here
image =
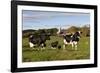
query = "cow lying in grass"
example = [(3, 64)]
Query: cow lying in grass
[(55, 45), (38, 40), (72, 39)]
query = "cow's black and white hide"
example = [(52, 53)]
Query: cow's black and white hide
[(38, 40), (72, 39)]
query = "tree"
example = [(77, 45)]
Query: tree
[(85, 31), (52, 31), (27, 33), (72, 29)]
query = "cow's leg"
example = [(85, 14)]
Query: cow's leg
[(43, 46), (75, 45), (31, 44), (65, 43), (72, 45), (64, 46)]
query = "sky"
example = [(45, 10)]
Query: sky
[(32, 19)]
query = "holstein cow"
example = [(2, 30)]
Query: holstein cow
[(38, 40), (55, 45), (72, 39)]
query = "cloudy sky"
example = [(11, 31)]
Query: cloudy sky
[(44, 19)]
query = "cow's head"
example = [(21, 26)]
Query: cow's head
[(77, 34), (80, 32)]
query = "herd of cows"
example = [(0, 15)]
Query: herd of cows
[(40, 40)]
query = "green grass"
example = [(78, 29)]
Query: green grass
[(32, 55)]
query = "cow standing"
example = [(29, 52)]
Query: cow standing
[(72, 39), (38, 40)]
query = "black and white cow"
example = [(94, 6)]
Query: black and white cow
[(38, 40), (55, 45), (72, 39)]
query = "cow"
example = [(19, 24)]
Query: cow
[(38, 40), (72, 39), (55, 45)]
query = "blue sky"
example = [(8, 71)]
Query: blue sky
[(46, 19)]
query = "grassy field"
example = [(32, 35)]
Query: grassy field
[(32, 55)]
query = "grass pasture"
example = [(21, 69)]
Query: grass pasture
[(48, 54)]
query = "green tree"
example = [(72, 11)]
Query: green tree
[(73, 29), (85, 31)]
